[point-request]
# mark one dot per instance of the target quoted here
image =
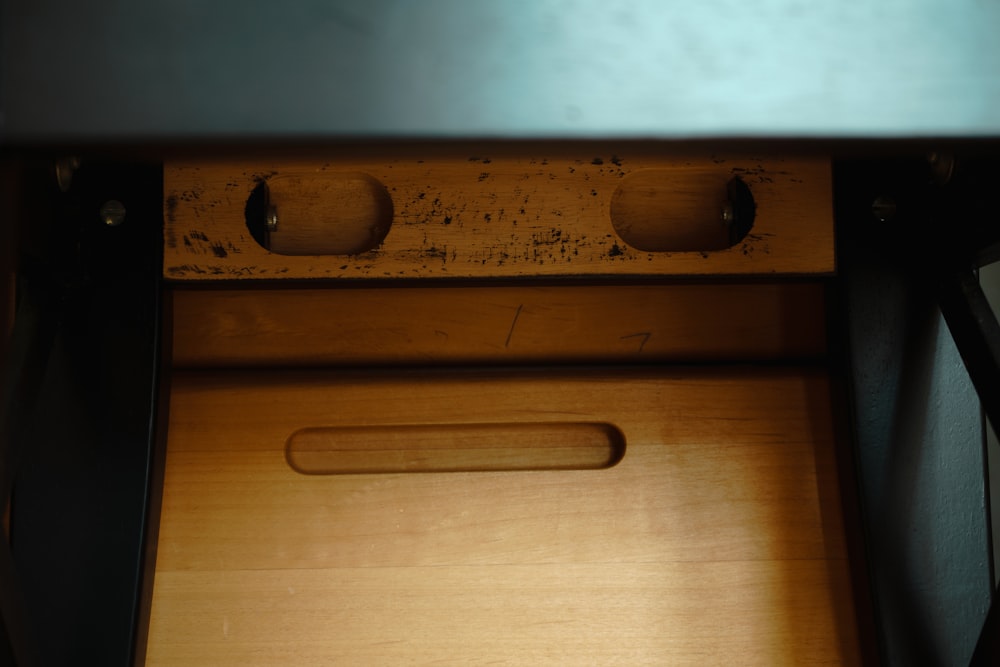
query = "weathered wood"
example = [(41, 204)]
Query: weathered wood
[(508, 215)]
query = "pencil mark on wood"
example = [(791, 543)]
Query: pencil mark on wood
[(645, 336), (513, 324)]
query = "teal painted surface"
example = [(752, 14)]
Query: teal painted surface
[(920, 446), (518, 68), (989, 277)]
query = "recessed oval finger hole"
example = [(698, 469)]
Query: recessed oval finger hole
[(455, 448), (319, 214), (660, 210)]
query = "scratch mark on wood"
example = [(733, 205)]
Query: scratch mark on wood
[(512, 325), (645, 336)]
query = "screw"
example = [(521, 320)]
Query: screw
[(728, 214), (64, 172), (884, 208), (271, 221), (113, 213)]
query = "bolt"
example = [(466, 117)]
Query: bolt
[(271, 221), (64, 172), (728, 214), (112, 213), (884, 208)]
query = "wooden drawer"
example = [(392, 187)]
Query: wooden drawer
[(580, 452)]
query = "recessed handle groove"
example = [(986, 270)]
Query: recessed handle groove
[(326, 214), (455, 448), (660, 210)]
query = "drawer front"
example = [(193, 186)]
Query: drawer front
[(522, 211)]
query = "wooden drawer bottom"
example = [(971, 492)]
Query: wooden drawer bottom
[(716, 539)]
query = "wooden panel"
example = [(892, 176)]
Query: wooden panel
[(628, 323), (507, 214), (717, 539)]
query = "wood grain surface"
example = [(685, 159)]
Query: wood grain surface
[(498, 324), (717, 539), (506, 214)]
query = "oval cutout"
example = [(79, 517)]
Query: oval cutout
[(319, 214), (455, 448), (661, 210)]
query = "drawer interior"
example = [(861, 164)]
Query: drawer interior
[(523, 428), (717, 536)]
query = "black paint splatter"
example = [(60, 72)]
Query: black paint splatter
[(171, 207)]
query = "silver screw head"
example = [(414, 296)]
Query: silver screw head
[(271, 221), (112, 213), (884, 208)]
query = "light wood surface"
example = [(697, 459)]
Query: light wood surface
[(717, 539), (507, 214), (670, 210), (506, 324), (341, 214)]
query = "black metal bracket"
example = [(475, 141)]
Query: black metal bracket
[(911, 233), (80, 412)]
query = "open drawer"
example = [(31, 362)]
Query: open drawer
[(633, 466)]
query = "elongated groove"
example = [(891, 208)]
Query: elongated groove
[(664, 210), (455, 448), (340, 214)]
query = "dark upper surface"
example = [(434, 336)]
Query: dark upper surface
[(188, 69)]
